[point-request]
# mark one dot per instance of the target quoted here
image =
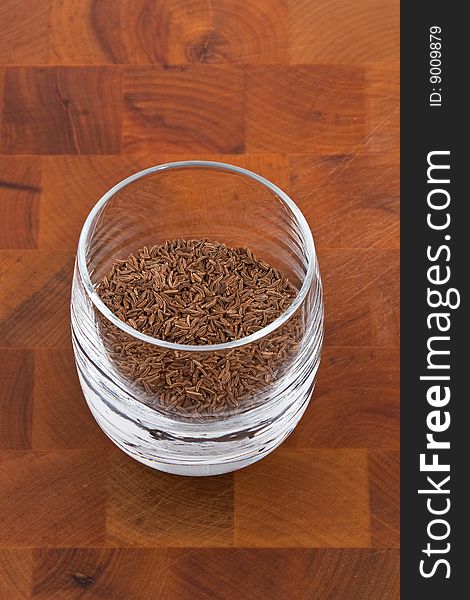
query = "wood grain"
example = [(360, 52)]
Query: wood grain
[(52, 498), (156, 509), (284, 574), (222, 573), (16, 567), (168, 32), (360, 367), (73, 184), (2, 77), (343, 31), (383, 112), (20, 185), (34, 298), (57, 110), (74, 573), (244, 31), (351, 199), (373, 276), (71, 187), (349, 418), (303, 498), (352, 574), (325, 114), (304, 92), (24, 34), (85, 32), (16, 375), (233, 573), (61, 419), (384, 486), (189, 109)]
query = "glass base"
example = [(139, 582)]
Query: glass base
[(214, 452)]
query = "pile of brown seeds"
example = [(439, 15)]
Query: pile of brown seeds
[(198, 292)]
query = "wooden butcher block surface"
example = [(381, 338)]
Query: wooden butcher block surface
[(304, 92)]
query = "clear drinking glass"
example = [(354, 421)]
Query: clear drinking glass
[(197, 200)]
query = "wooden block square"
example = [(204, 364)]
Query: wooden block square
[(61, 110), (383, 111), (184, 109), (304, 498), (16, 377), (236, 573), (350, 201), (360, 367), (384, 485), (99, 574), (20, 189), (246, 31), (85, 32), (362, 297), (149, 508), (140, 45), (72, 185), (349, 418), (307, 108), (34, 298), (24, 34), (52, 498), (16, 567), (351, 574), (343, 31), (61, 417)]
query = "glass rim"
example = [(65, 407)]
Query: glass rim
[(305, 231)]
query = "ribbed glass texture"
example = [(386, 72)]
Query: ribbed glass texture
[(197, 200)]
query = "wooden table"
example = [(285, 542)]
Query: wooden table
[(304, 92)]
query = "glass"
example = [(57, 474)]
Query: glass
[(197, 200)]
